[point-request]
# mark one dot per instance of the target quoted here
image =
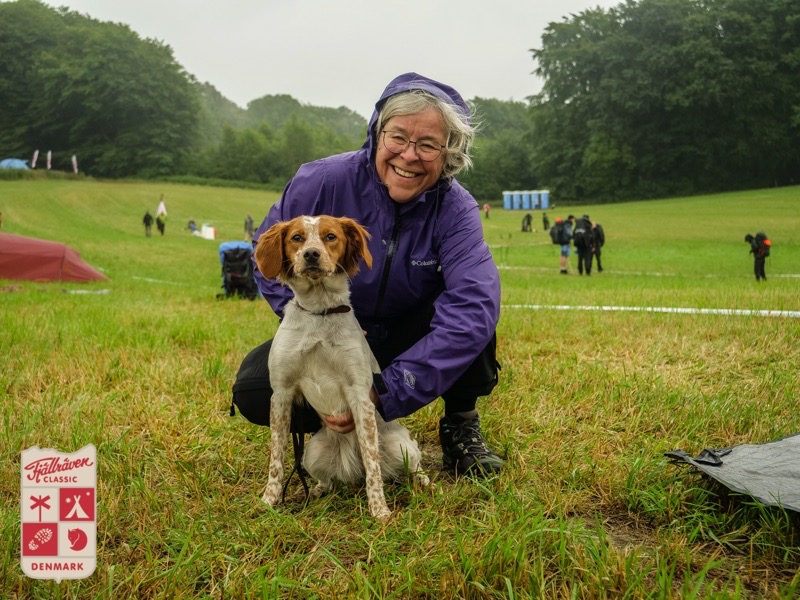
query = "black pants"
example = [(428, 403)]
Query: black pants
[(584, 260), (758, 267), (387, 339), (597, 256)]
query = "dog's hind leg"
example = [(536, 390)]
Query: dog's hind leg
[(319, 490), (317, 457), (419, 477), (280, 415), (413, 457), (367, 432), (400, 455)]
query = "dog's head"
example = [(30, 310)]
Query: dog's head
[(312, 248)]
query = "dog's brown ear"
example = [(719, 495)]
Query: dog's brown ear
[(269, 251), (357, 247)]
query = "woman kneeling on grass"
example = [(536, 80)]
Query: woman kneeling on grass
[(431, 303)]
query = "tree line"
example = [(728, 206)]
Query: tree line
[(669, 97), (647, 99), (126, 108)]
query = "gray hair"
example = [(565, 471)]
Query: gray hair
[(460, 132)]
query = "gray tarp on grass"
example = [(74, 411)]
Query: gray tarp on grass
[(769, 472)]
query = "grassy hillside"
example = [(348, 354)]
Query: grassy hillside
[(589, 401), (103, 221)]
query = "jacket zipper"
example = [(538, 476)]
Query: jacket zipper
[(388, 264)]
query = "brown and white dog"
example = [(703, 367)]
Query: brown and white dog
[(320, 353)]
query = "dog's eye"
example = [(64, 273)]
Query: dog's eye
[(330, 237), (297, 237)]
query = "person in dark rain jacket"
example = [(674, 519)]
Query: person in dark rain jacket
[(148, 223), (431, 303)]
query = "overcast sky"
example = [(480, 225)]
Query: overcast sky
[(344, 52)]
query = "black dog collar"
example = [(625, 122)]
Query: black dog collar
[(342, 308)]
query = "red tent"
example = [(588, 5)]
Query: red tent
[(32, 259)]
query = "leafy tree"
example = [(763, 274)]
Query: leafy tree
[(502, 154), (27, 30), (278, 110), (659, 97), (242, 156), (216, 112), (123, 105), (297, 145), (271, 139)]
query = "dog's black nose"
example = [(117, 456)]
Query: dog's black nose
[(311, 256)]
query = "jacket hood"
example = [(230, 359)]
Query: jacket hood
[(413, 81)]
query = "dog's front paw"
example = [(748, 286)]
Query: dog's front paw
[(272, 495), (383, 515), (377, 507)]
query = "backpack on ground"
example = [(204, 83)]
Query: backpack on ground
[(582, 236), (559, 234), (763, 245), (237, 271)]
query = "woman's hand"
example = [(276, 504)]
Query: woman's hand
[(345, 423), (340, 423)]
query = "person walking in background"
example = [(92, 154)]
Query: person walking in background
[(561, 234), (526, 222), (486, 209), (759, 248), (249, 229), (161, 215), (148, 223), (569, 226), (599, 240), (162, 207), (583, 238), (545, 222)]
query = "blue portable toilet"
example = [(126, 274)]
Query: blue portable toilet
[(545, 195), (506, 200), (535, 199), (517, 200), (526, 200)]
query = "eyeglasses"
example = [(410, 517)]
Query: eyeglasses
[(396, 143)]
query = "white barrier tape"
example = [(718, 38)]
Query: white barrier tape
[(791, 314)]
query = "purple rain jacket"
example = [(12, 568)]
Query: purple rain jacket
[(430, 243)]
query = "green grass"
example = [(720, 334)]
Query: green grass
[(588, 402)]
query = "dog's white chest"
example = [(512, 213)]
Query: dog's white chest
[(325, 359)]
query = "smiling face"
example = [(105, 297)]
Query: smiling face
[(405, 175)]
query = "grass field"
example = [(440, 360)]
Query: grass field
[(588, 403)]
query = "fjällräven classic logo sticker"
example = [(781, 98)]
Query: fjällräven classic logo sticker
[(58, 510)]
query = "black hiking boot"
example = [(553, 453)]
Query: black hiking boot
[(463, 448)]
